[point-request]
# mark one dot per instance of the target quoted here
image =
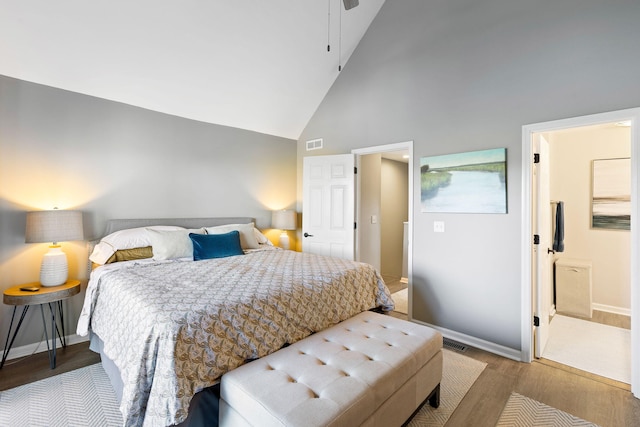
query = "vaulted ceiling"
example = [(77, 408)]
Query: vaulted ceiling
[(260, 65)]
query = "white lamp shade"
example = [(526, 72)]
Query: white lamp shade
[(283, 220), (53, 226)]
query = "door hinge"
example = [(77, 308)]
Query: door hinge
[(536, 158), (355, 170), (536, 239), (536, 321), (355, 225)]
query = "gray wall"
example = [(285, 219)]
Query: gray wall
[(112, 160), (463, 75)]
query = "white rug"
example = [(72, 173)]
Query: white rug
[(84, 397), (400, 299), (593, 347), (523, 411)]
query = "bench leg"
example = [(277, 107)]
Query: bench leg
[(434, 397)]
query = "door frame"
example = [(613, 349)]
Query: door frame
[(399, 146), (542, 260), (527, 285)]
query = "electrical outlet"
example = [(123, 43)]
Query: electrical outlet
[(438, 226)]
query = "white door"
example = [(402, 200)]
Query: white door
[(541, 252), (328, 216)]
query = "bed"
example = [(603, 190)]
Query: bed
[(168, 327)]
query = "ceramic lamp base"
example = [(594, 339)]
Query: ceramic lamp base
[(284, 240), (54, 270)]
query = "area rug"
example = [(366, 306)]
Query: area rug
[(84, 397), (400, 299), (521, 411), (458, 375), (593, 347)]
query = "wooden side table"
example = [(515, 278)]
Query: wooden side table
[(44, 295)]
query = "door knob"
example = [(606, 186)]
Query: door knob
[(307, 235)]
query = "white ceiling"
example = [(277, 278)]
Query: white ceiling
[(260, 65)]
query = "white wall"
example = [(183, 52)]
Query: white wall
[(112, 160), (571, 155), (463, 75)]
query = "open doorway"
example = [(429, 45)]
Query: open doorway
[(383, 206), (534, 296), (589, 293)]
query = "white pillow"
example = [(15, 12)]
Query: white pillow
[(125, 239), (261, 238), (171, 244), (248, 238)]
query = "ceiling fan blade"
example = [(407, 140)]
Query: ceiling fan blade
[(350, 4)]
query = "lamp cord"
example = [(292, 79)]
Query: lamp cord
[(329, 26), (20, 359), (340, 43), (339, 33)]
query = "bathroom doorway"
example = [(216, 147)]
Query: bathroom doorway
[(589, 269), (605, 298)]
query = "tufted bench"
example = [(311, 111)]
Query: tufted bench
[(371, 369)]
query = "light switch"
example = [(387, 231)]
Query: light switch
[(438, 226), (374, 219)]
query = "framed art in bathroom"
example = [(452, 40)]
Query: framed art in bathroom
[(611, 194)]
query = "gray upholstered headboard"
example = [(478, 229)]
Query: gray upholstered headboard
[(122, 224)]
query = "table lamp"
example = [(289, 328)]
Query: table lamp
[(284, 220), (54, 226)]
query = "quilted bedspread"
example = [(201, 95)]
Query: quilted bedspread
[(173, 328)]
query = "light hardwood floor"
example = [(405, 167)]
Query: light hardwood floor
[(611, 319), (601, 401), (393, 283)]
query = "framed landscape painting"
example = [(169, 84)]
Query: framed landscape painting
[(611, 194), (471, 182)]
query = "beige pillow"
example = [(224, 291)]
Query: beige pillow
[(172, 244), (247, 235), (131, 254)]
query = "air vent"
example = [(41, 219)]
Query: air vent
[(314, 144), (453, 345)]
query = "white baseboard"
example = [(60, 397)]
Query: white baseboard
[(611, 309), (500, 350), (39, 347)]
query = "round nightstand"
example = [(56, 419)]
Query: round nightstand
[(20, 295)]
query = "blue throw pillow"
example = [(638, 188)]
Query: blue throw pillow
[(207, 246)]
